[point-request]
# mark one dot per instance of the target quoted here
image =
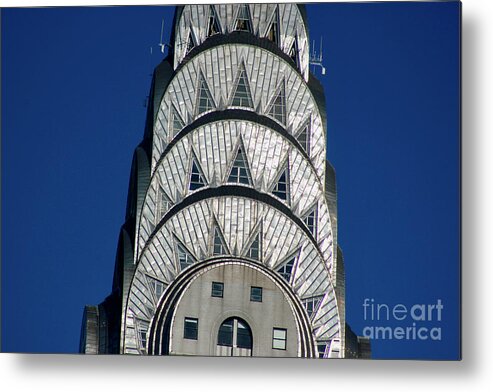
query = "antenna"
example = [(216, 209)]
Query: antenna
[(150, 59), (161, 44), (316, 59)]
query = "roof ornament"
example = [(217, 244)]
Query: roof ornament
[(162, 45), (317, 58)]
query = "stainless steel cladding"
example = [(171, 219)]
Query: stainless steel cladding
[(233, 244)]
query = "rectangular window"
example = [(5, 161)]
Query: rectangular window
[(256, 294), (143, 338), (142, 327), (321, 349), (143, 335), (191, 328), (279, 338), (217, 289)]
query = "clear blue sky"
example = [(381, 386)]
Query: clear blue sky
[(73, 85)]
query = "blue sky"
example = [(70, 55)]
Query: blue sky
[(74, 81)]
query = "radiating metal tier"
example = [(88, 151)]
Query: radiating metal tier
[(266, 72), (194, 21), (231, 177)]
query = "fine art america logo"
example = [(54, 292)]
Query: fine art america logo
[(401, 322)]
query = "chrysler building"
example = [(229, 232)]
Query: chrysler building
[(229, 246)]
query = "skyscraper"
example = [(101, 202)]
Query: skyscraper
[(230, 241)]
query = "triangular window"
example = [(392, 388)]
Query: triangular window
[(287, 269), (281, 188), (185, 259), (254, 249), (273, 32), (214, 27), (239, 172), (197, 178), (219, 245), (304, 139), (243, 21), (312, 304), (311, 221), (277, 108), (177, 123), (204, 97), (157, 287), (164, 203), (190, 42), (293, 52), (242, 95)]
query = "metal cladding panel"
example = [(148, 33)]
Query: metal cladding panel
[(162, 76), (326, 322), (340, 287), (126, 253), (266, 73), (90, 331), (194, 19), (141, 185), (331, 196)]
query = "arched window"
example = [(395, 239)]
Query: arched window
[(234, 338)]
